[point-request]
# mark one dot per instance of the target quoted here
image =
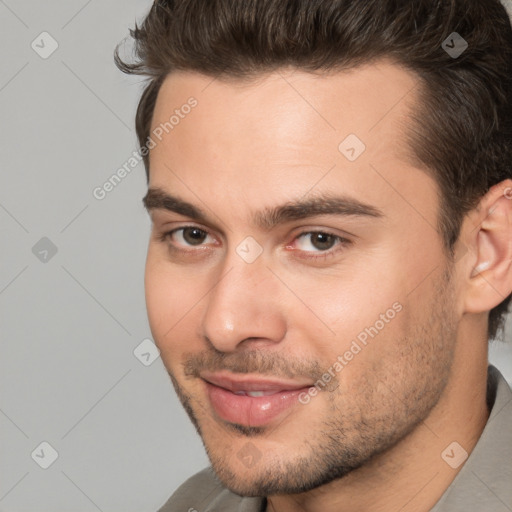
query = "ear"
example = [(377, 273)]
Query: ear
[(488, 238)]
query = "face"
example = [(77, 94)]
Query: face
[(296, 284)]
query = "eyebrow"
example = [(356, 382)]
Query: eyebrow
[(324, 204)]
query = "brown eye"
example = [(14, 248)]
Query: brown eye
[(186, 236), (316, 241), (194, 236), (322, 241), (318, 246)]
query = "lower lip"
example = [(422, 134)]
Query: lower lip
[(251, 411)]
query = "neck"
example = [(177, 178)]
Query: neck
[(413, 475)]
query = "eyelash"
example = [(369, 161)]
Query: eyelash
[(339, 246)]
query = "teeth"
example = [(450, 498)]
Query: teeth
[(251, 393)]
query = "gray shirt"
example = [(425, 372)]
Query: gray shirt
[(484, 484)]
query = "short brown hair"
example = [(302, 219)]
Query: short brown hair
[(461, 132)]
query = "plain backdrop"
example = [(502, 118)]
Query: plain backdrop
[(75, 381)]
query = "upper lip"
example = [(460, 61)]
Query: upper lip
[(236, 383)]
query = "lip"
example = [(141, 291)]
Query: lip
[(248, 410)]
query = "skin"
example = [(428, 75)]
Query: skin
[(372, 440)]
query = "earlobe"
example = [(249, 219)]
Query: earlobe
[(490, 279)]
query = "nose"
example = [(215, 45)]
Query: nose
[(243, 307)]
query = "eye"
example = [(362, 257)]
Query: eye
[(319, 244), (312, 244), (318, 240), (188, 236)]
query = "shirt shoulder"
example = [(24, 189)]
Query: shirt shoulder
[(485, 480), (203, 492)]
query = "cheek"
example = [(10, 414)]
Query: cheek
[(362, 311), (170, 301), (347, 303), (173, 302), (156, 286)]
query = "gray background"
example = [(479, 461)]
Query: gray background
[(70, 321)]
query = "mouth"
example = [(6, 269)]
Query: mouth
[(251, 400)]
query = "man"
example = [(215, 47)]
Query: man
[(330, 194)]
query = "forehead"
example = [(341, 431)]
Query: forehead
[(286, 133), (362, 100)]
